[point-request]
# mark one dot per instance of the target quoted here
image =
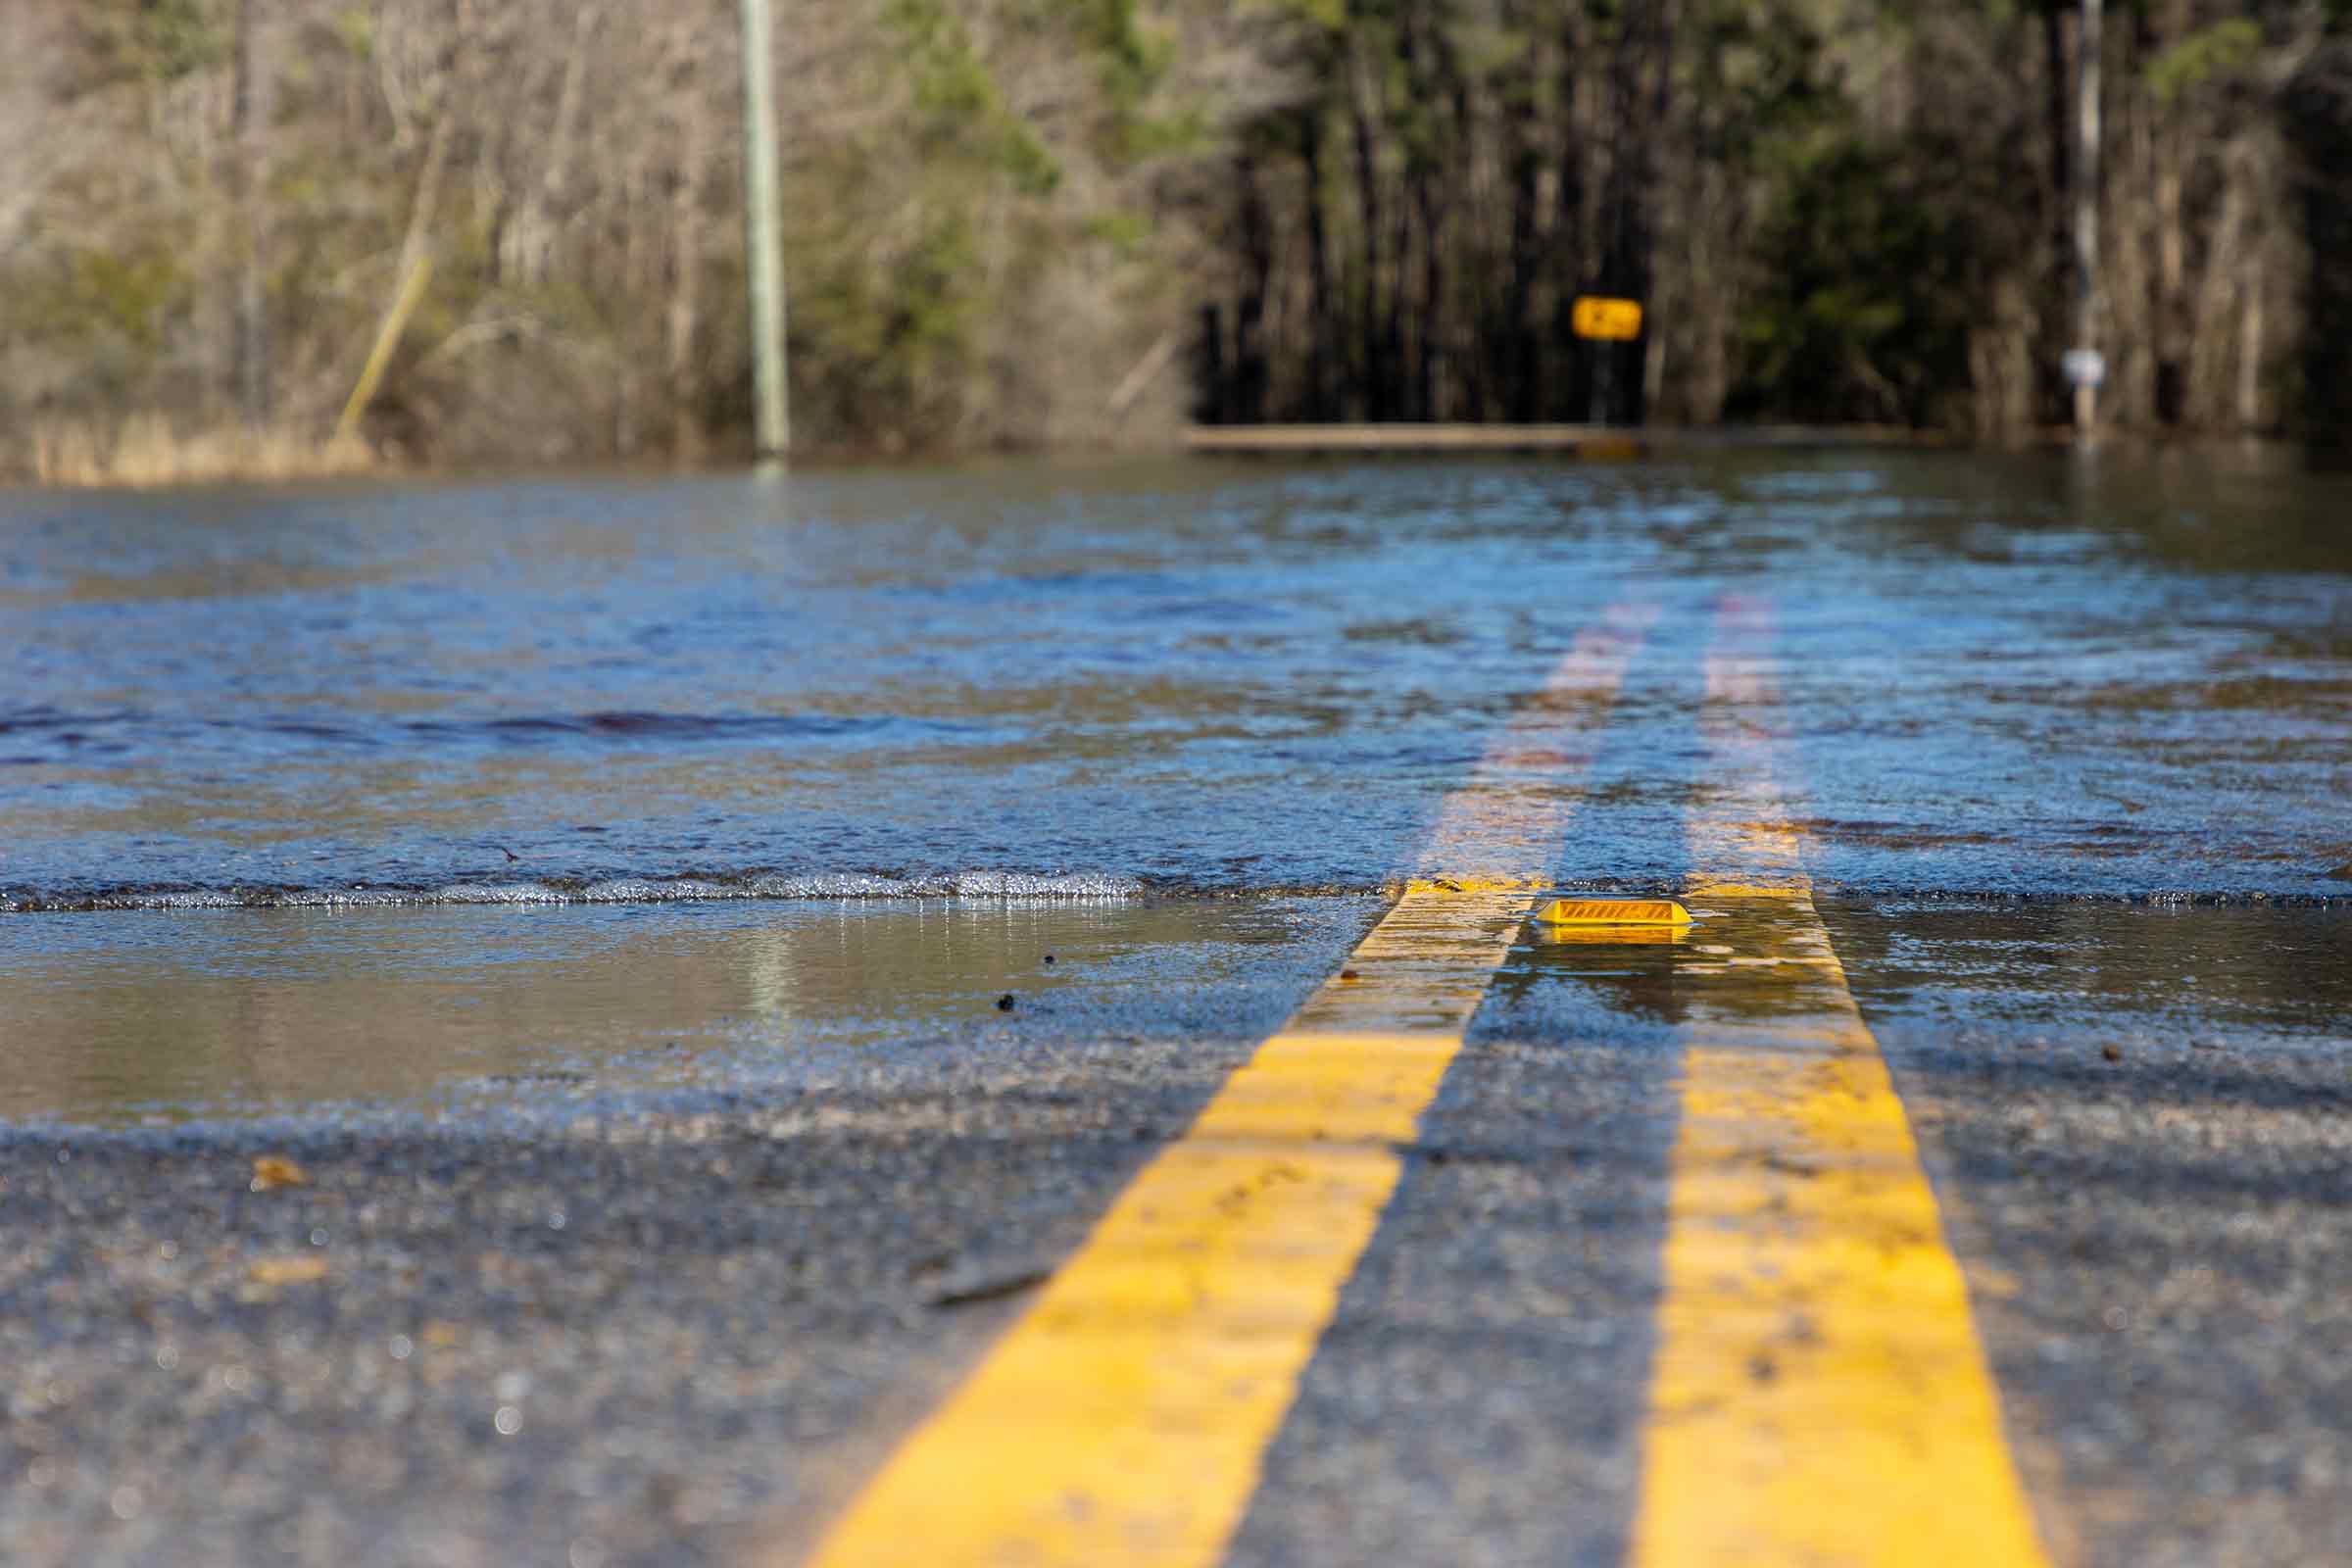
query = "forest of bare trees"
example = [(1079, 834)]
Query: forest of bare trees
[(1051, 223)]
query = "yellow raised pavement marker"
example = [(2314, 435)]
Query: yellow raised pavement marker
[(1121, 1420), (1613, 911), (1819, 1395)]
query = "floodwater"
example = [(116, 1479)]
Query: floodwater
[(728, 779), (156, 1017), (2050, 976), (2126, 676)]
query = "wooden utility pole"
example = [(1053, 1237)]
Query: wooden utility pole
[(2085, 367), (763, 250)]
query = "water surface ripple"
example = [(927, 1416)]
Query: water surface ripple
[(2028, 676)]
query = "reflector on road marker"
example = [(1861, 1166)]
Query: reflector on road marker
[(1613, 911)]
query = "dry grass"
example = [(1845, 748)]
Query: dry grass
[(144, 452)]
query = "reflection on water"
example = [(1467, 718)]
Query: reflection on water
[(2203, 975), (136, 1015), (1613, 974), (144, 1016), (2008, 674), (2205, 972)]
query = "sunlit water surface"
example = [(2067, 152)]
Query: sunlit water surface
[(2009, 676)]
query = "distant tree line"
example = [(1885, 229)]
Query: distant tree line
[(993, 217), (1834, 209), (1017, 222)]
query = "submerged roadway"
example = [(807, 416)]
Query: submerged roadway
[(1854, 1222)]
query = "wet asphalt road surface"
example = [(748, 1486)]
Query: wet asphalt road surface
[(592, 1309), (637, 1230)]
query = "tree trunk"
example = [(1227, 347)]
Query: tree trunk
[(1376, 388), (1319, 316), (1429, 360), (1624, 247), (2088, 282), (255, 100), (1250, 357), (2170, 327), (1216, 388), (686, 268), (2317, 116), (2129, 212), (1569, 370), (2058, 125), (1646, 200), (2249, 352), (1518, 355), (529, 241), (2214, 329)]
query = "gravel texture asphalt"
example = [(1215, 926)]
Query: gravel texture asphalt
[(645, 1322)]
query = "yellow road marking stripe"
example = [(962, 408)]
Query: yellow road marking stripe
[(1475, 884), (1503, 828), (1819, 1394), (1123, 1419)]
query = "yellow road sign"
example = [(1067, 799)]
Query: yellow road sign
[(1598, 315)]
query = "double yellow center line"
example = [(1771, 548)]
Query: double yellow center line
[(1819, 1394), (1123, 1419), (1815, 1337)]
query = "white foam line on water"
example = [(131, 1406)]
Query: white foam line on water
[(1065, 886)]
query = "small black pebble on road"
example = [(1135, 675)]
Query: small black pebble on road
[(993, 1290), (1048, 957), (1005, 1003)]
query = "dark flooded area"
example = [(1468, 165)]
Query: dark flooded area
[(2124, 676)]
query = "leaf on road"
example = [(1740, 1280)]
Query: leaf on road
[(270, 1172), (299, 1268)]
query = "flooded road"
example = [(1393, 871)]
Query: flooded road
[(2007, 675), (577, 1023)]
